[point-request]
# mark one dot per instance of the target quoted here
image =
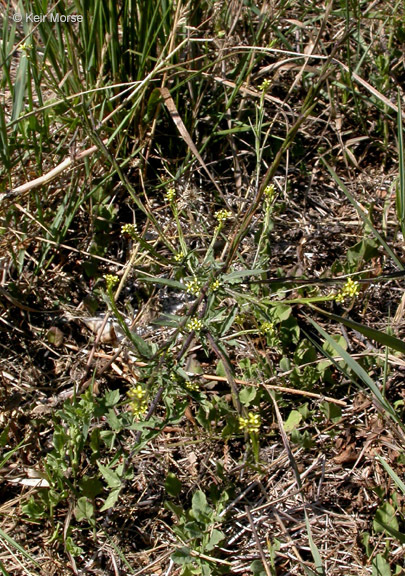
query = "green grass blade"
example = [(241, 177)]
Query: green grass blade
[(370, 333), (400, 197), (361, 373), (391, 472), (314, 549), (362, 215), (20, 87), (11, 542), (3, 570)]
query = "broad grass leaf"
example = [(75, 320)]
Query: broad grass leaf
[(361, 373), (370, 333)]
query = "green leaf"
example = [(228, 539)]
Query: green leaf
[(114, 421), (111, 500), (220, 369), (228, 322), (314, 549), (285, 364), (111, 397), (337, 338), (233, 277), (172, 484), (72, 547), (380, 566), (280, 312), (257, 568), (182, 556), (177, 510), (216, 537), (247, 395), (193, 530), (385, 518), (199, 506), (4, 436), (84, 509), (400, 189), (90, 486), (333, 412), (293, 421), (164, 281), (153, 100), (142, 347), (109, 476)]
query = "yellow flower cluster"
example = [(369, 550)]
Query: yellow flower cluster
[(270, 192), (192, 386), (222, 216), (216, 285), (193, 287), (179, 256), (265, 85), (24, 47), (170, 195), (194, 325), (349, 290), (250, 424), (267, 328), (129, 229), (138, 403), (111, 280), (240, 319)]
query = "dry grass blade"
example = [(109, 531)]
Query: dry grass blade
[(171, 106), (52, 174)]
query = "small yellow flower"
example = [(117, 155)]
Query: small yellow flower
[(111, 280), (179, 256), (192, 386), (170, 195), (270, 192), (25, 48), (138, 403), (240, 319), (265, 85), (251, 424), (223, 215), (194, 325), (350, 290), (129, 229), (216, 285), (267, 328), (193, 286)]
